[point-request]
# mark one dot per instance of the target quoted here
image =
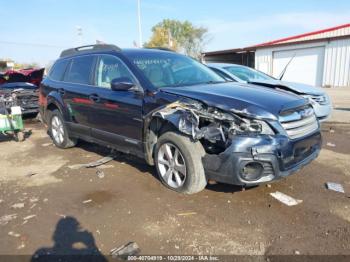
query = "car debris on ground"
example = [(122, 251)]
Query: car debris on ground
[(13, 234), (130, 249), (97, 163), (187, 214), (285, 199), (29, 217), (335, 187), (7, 218), (100, 173), (18, 205), (30, 174)]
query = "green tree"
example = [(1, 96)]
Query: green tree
[(179, 36)]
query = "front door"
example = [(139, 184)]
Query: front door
[(118, 114)]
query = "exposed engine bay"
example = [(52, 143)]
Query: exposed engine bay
[(27, 99), (212, 126)]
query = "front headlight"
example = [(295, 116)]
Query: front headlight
[(255, 127), (321, 100)]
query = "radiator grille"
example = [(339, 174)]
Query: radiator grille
[(299, 123)]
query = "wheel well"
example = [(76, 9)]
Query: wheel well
[(51, 107), (155, 129)]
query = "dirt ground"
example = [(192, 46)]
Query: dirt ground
[(46, 204)]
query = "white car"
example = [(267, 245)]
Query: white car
[(318, 98)]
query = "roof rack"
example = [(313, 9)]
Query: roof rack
[(162, 48), (89, 48)]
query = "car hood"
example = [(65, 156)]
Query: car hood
[(244, 99), (290, 86), (17, 85)]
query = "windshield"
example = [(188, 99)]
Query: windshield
[(247, 74), (165, 69)]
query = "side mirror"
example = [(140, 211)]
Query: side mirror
[(122, 84)]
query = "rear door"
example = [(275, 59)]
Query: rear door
[(117, 116), (78, 93)]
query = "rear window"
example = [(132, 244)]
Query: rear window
[(80, 70), (58, 70)]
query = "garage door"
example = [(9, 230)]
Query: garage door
[(306, 66)]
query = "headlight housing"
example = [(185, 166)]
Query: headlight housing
[(321, 100), (254, 126)]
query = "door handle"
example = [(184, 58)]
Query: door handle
[(94, 98), (61, 91)]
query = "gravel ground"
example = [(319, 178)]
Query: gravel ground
[(46, 205)]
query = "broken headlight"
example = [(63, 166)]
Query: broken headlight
[(322, 99), (248, 126)]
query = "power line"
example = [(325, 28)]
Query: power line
[(31, 44)]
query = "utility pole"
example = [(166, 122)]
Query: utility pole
[(80, 34), (139, 22)]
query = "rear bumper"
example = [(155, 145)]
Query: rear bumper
[(277, 156)]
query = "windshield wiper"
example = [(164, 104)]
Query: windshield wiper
[(194, 84), (214, 82)]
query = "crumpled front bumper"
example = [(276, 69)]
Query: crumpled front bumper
[(278, 155)]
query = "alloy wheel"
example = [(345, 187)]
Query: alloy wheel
[(171, 165), (57, 129)]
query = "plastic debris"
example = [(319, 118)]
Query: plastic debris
[(30, 174), (330, 144), (100, 173), (7, 218), (21, 246), (33, 199), (285, 199), (29, 217), (93, 164), (130, 249), (106, 166), (87, 201), (18, 205), (13, 234), (187, 214), (335, 187), (46, 144)]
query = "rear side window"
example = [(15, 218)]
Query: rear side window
[(58, 70), (80, 70)]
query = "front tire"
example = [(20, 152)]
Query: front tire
[(179, 163), (58, 131)]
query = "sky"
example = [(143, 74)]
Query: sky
[(38, 30)]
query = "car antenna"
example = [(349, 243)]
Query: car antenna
[(285, 68)]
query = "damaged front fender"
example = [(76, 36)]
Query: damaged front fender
[(212, 126), (195, 120)]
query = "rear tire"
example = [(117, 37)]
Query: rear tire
[(58, 131), (179, 163)]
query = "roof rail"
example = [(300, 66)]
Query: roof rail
[(89, 48), (162, 48)]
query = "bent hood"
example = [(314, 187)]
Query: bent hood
[(298, 88), (249, 100)]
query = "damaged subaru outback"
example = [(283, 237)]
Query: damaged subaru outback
[(178, 115)]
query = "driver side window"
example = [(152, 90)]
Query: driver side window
[(108, 68)]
